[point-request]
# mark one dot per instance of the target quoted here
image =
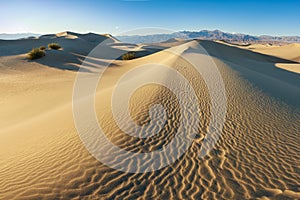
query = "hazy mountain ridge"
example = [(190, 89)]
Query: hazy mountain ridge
[(15, 36), (203, 34), (209, 35)]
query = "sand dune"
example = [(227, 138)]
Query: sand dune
[(41, 155), (290, 52)]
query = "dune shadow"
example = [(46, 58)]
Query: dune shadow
[(60, 60), (21, 46), (63, 60), (148, 51)]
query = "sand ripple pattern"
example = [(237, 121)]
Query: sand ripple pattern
[(256, 157)]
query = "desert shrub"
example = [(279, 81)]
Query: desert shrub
[(36, 53), (42, 47), (128, 56), (54, 46)]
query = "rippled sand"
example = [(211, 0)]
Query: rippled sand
[(257, 155)]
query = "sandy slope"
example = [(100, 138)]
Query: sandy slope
[(289, 52), (41, 154)]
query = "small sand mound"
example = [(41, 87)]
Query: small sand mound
[(68, 35)]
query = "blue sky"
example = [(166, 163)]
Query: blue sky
[(117, 16)]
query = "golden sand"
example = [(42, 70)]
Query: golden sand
[(257, 156)]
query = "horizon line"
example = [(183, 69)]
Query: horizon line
[(179, 31)]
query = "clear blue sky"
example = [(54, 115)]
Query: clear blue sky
[(116, 16)]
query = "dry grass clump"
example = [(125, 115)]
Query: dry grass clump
[(36, 53), (54, 46), (129, 56)]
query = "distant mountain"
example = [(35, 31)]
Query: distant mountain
[(219, 35), (203, 34), (209, 35), (7, 36), (294, 39), (150, 38)]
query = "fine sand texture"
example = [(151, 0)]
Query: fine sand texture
[(42, 156)]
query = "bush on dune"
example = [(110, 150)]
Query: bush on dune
[(54, 46), (36, 53), (128, 56), (42, 47)]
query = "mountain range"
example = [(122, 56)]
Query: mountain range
[(209, 35), (15, 36), (203, 34)]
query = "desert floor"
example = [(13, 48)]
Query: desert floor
[(42, 156)]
